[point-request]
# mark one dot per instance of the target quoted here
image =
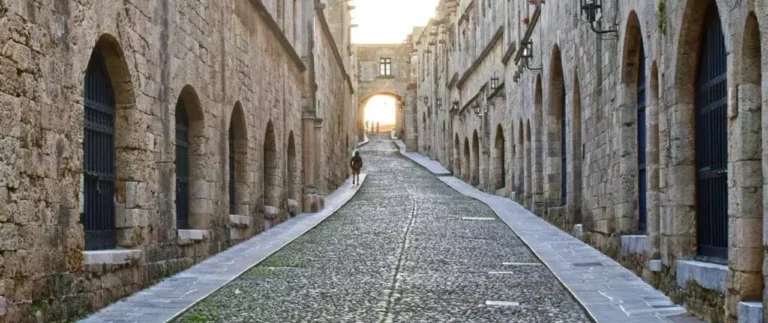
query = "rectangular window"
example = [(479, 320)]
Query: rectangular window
[(385, 67)]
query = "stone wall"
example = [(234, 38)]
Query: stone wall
[(234, 63), (589, 83)]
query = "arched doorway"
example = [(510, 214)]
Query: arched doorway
[(238, 162), (465, 172), (456, 156), (557, 154), (381, 110), (189, 133), (475, 159), (538, 149), (499, 175), (292, 174), (271, 189)]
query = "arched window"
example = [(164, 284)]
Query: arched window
[(182, 166), (99, 157), (642, 143), (712, 139)]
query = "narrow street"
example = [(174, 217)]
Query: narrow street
[(406, 248)]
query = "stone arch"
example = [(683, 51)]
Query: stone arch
[(190, 163), (239, 190), (577, 152), (292, 174), (475, 178), (654, 163), (465, 171), (112, 167), (748, 172), (456, 155), (271, 189), (684, 182), (444, 144), (538, 149), (364, 102), (557, 162), (499, 174)]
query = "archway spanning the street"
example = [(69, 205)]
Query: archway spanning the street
[(381, 109)]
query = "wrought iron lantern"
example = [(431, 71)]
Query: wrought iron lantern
[(494, 82), (456, 104), (528, 56), (439, 104), (426, 100), (591, 13), (476, 108)]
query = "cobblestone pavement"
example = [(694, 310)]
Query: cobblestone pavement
[(406, 248)]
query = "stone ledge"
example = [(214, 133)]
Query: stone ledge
[(293, 207), (578, 231), (239, 221), (633, 244), (271, 212), (185, 237), (707, 275), (110, 257), (750, 312), (654, 265)]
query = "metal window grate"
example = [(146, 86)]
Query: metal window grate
[(642, 143), (712, 141), (563, 156), (99, 157), (182, 166)]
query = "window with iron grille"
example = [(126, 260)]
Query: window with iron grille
[(182, 166), (385, 66), (99, 155)]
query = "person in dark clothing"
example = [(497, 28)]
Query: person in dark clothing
[(377, 126), (357, 164)]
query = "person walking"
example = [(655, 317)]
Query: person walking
[(356, 164), (377, 126)]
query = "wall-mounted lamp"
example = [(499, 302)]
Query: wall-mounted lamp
[(528, 56), (439, 104), (456, 104), (591, 13), (479, 110), (494, 82)]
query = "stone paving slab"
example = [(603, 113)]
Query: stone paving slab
[(174, 295), (431, 165), (608, 291)]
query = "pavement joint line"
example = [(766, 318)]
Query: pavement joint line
[(501, 303), (501, 272), (521, 264), (395, 276), (474, 218)]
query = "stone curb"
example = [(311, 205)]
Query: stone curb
[(218, 270), (430, 165)]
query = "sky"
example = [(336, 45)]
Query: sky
[(380, 108), (389, 21)]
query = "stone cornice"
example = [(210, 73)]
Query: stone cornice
[(496, 37), (336, 52), (275, 29)]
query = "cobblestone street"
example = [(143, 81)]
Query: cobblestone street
[(406, 248)]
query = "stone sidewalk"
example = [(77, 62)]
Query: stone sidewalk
[(174, 295), (608, 291)]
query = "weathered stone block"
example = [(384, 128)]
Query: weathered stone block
[(707, 275)]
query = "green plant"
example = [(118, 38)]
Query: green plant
[(661, 17)]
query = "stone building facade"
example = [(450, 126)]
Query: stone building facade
[(138, 138), (382, 70), (641, 133)]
